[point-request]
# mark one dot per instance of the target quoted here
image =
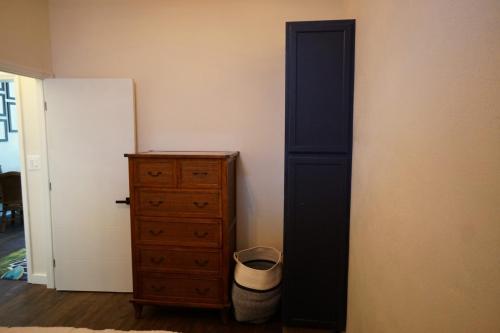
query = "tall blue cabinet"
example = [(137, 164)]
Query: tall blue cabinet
[(318, 153)]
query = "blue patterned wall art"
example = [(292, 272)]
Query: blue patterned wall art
[(8, 110)]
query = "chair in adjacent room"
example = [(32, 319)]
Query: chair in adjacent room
[(10, 197)]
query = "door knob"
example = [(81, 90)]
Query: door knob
[(126, 201)]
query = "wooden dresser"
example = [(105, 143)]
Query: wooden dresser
[(183, 222)]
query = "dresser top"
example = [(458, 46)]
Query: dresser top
[(185, 154)]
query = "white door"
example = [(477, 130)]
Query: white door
[(90, 125)]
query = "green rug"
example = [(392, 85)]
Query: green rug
[(13, 266)]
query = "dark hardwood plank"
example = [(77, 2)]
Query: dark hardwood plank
[(23, 304)]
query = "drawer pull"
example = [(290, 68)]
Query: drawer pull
[(157, 289), (200, 174), (157, 261), (201, 263), (203, 235), (155, 203), (200, 204), (202, 292), (155, 233), (154, 174)]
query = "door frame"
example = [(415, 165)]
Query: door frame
[(44, 152), (34, 278)]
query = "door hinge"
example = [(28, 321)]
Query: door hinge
[(45, 105), (54, 263), (50, 186)]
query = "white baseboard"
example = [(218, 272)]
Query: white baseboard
[(38, 279)]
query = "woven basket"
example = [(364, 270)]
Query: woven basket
[(255, 306), (251, 270)]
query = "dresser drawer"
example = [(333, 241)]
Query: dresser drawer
[(164, 286), (152, 202), (185, 232), (199, 174), (177, 260), (155, 172)]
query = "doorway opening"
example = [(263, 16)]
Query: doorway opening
[(25, 239), (13, 263)]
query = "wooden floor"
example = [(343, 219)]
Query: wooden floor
[(23, 304)]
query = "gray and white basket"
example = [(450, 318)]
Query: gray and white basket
[(256, 290)]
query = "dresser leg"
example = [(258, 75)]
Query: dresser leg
[(137, 310), (224, 315)]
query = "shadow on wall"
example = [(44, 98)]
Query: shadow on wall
[(245, 203), (259, 199)]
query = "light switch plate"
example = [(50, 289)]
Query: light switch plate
[(34, 162)]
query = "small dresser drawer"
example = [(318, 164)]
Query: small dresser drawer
[(179, 232), (199, 174), (155, 172), (164, 286), (151, 202), (183, 261)]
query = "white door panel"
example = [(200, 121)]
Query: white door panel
[(90, 125)]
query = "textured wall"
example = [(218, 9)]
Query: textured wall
[(425, 198), (425, 217), (210, 75)]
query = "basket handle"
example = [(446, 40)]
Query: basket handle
[(235, 256)]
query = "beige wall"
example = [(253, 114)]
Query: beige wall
[(209, 75), (425, 217), (425, 235), (25, 43)]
